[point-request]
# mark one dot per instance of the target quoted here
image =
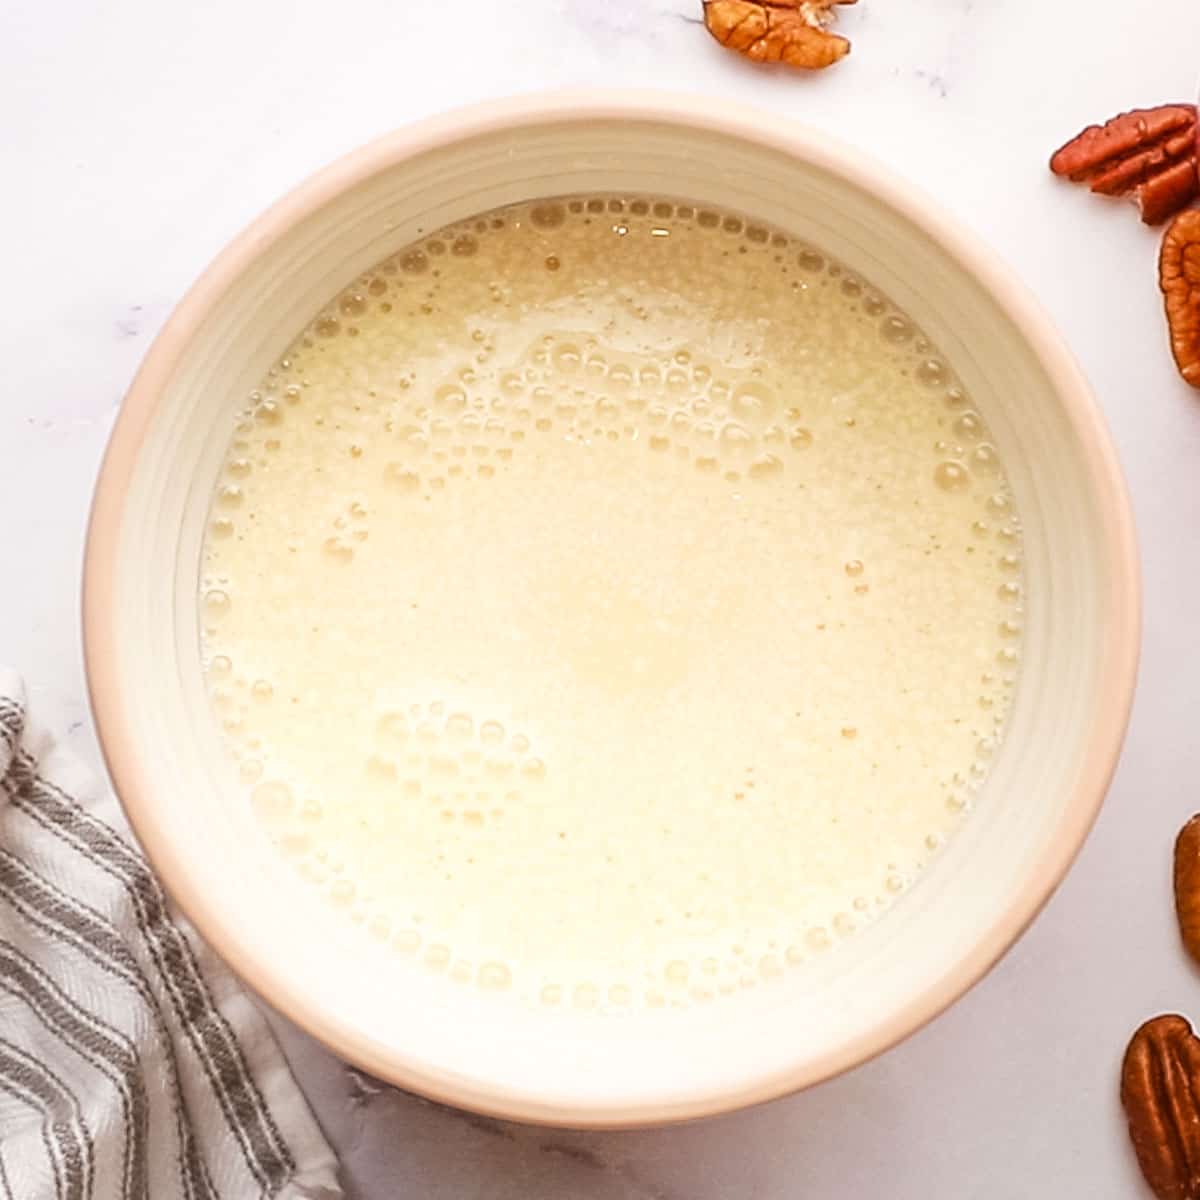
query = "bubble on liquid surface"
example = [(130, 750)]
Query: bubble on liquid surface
[(437, 956), (338, 550), (931, 373), (407, 941), (217, 603), (753, 402), (765, 466), (273, 801), (401, 478), (548, 216), (951, 477), (495, 976), (736, 440)]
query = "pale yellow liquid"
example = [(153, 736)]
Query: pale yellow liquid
[(611, 601)]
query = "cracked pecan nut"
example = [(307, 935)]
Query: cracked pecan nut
[(1148, 153), (1179, 278), (1187, 885), (793, 32), (1160, 1092)]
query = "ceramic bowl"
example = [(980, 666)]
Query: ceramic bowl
[(498, 1054)]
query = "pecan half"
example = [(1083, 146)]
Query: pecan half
[(1148, 153), (1160, 1092), (793, 32), (1187, 885), (1179, 278)]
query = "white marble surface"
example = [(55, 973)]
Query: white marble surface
[(138, 137)]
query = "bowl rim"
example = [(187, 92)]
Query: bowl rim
[(708, 114)]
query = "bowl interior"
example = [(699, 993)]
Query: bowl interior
[(498, 1054)]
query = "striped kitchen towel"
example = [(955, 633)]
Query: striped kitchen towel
[(132, 1064)]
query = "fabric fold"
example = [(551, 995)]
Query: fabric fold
[(133, 1066)]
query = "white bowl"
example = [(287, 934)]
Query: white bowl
[(496, 1054)]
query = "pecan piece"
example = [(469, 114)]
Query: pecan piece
[(1179, 278), (1149, 153), (1164, 194), (794, 32), (1187, 885), (1160, 1092)]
